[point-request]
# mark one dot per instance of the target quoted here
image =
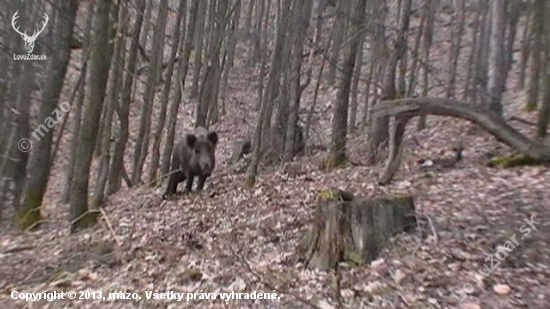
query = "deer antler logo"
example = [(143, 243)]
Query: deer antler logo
[(29, 40)]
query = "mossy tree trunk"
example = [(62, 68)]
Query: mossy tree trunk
[(39, 164)]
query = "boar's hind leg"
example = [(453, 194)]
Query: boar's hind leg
[(200, 184)]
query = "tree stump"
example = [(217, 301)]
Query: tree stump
[(355, 229)]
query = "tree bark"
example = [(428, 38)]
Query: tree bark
[(142, 142), (99, 71), (117, 65), (117, 165), (302, 13), (183, 69), (340, 118), (165, 95), (39, 162), (497, 62), (538, 34)]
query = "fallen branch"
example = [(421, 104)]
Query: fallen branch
[(405, 109)]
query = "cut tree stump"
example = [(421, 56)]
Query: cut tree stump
[(352, 228)]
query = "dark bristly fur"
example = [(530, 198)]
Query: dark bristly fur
[(193, 156)]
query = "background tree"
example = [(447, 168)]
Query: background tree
[(340, 120), (40, 161), (497, 61), (99, 71)]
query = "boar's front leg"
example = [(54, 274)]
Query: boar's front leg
[(173, 181), (189, 183), (200, 185)]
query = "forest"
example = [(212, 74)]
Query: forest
[(321, 154)]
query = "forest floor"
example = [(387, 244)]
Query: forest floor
[(233, 239)]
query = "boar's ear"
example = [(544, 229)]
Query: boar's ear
[(190, 139), (213, 137)]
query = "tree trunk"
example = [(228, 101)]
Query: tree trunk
[(429, 11), (142, 142), (263, 58), (515, 9), (77, 108), (472, 65), (483, 58), (248, 20), (117, 166), (302, 13), (20, 132), (526, 42), (39, 162), (183, 69), (283, 13), (99, 71), (117, 65), (209, 89), (538, 34), (497, 62), (355, 85), (340, 118), (379, 128), (199, 40), (165, 95), (256, 37), (456, 39), (338, 35), (544, 113), (229, 54)]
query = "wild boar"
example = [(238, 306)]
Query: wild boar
[(194, 155)]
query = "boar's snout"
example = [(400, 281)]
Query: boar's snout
[(206, 167)]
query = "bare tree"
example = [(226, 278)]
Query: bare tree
[(199, 42), (526, 42), (429, 14), (39, 163), (142, 143), (77, 108), (497, 62), (183, 68), (123, 112), (378, 133), (99, 72), (340, 120), (115, 83), (283, 12), (536, 53), (248, 20), (338, 35), (456, 41), (544, 112), (165, 94), (301, 11)]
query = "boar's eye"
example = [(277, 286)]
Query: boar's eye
[(197, 151)]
